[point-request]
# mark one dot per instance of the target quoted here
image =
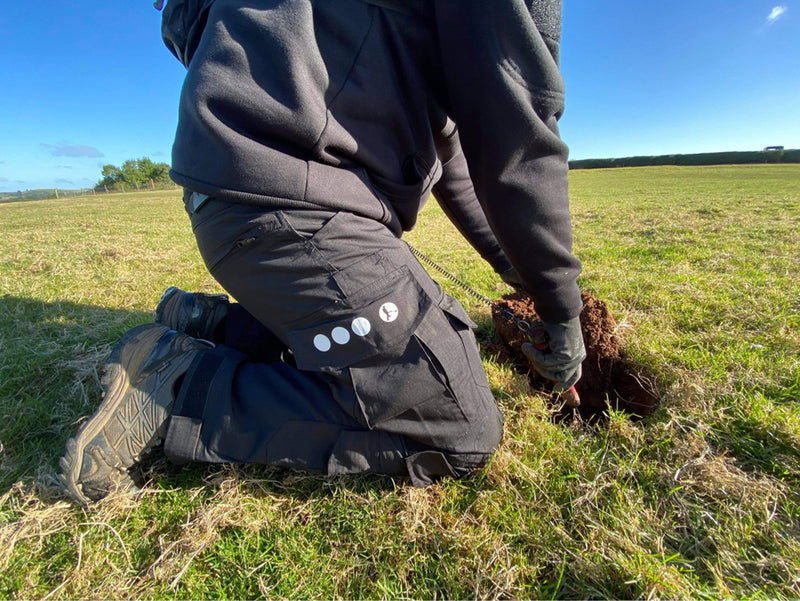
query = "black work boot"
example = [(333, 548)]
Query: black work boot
[(193, 313), (139, 383)]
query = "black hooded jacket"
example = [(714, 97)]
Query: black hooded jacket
[(341, 104)]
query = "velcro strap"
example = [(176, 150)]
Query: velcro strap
[(209, 376)]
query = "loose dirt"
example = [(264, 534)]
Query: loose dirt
[(608, 378)]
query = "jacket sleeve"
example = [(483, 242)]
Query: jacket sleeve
[(500, 65), (456, 196)]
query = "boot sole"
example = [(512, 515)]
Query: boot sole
[(125, 359)]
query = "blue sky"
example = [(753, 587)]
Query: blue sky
[(89, 83)]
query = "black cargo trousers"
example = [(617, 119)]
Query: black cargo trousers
[(384, 373)]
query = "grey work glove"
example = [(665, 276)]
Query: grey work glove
[(561, 361)]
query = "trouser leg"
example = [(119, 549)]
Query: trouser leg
[(244, 333), (233, 410), (388, 377)]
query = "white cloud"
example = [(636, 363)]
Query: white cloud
[(69, 150), (776, 13)]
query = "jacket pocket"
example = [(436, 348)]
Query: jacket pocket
[(407, 198)]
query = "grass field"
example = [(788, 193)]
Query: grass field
[(701, 500)]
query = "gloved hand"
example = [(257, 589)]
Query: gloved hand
[(561, 361)]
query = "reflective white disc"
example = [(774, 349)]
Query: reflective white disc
[(361, 326), (340, 336), (322, 343)]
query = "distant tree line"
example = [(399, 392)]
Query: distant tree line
[(706, 158), (43, 193), (135, 174)]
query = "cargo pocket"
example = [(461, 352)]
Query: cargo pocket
[(457, 353), (371, 346), (374, 324), (351, 247)]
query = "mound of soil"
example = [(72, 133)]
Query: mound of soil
[(608, 379)]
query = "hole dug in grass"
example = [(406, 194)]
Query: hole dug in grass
[(609, 379)]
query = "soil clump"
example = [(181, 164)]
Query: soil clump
[(608, 378)]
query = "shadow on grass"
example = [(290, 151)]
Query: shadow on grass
[(760, 447), (51, 357)]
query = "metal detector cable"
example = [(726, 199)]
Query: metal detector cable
[(430, 262), (534, 331)]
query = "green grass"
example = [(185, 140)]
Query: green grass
[(700, 500)]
